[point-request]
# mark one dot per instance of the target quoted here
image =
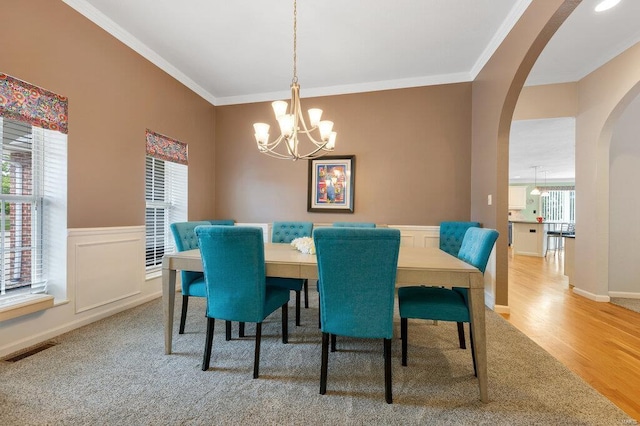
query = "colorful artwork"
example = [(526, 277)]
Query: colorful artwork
[(331, 184)]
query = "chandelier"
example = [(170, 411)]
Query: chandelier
[(292, 123)]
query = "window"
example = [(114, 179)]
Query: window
[(166, 199), (32, 205), (33, 200), (559, 206)]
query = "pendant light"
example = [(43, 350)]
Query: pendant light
[(535, 190)]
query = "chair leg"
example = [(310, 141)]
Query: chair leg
[(387, 371), (256, 358), (240, 329), (208, 344), (333, 343), (297, 308), (403, 336), (473, 353), (227, 325), (461, 338), (183, 317), (325, 361), (306, 294), (285, 323)]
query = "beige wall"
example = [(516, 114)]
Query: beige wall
[(495, 93), (547, 101), (114, 95), (603, 96), (412, 149)]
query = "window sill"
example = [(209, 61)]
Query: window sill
[(24, 305)]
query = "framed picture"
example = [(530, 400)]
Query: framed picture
[(331, 184)]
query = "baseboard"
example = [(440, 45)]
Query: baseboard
[(502, 309), (591, 296), (624, 294)]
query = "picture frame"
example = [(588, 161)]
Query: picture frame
[(331, 184)]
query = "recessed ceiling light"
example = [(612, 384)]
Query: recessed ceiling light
[(606, 5)]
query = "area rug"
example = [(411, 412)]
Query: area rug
[(631, 304), (114, 372)]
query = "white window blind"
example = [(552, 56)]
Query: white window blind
[(32, 206), (166, 202), (559, 206)]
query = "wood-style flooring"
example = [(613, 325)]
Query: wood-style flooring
[(598, 341)]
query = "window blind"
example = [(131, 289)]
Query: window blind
[(166, 195), (29, 189)]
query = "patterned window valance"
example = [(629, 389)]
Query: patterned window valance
[(165, 148), (22, 101)]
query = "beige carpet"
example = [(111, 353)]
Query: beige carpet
[(114, 372), (631, 304)]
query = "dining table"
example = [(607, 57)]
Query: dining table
[(416, 266)]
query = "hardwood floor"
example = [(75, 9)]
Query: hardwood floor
[(598, 341)]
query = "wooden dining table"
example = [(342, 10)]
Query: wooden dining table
[(416, 266)]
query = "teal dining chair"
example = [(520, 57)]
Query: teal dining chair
[(451, 236), (354, 224), (357, 271), (236, 283), (192, 282), (444, 304), (285, 232), (225, 222)]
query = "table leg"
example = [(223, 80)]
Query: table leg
[(476, 308), (168, 302)]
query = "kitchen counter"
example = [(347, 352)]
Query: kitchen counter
[(529, 238)]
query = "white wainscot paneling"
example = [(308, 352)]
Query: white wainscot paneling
[(418, 236), (266, 229), (105, 265)]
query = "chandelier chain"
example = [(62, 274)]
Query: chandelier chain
[(295, 41)]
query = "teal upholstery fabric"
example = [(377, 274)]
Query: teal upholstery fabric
[(354, 224), (449, 304), (444, 304), (234, 270), (357, 270), (225, 222), (476, 247), (185, 238), (452, 234), (285, 232)]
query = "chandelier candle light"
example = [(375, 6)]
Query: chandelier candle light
[(292, 123)]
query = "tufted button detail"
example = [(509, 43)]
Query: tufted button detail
[(285, 232)]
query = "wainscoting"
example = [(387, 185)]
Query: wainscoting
[(105, 265)]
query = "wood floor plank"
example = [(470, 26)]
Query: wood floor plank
[(598, 341)]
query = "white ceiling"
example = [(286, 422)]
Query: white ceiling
[(242, 51)]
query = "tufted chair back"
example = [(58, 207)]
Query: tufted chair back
[(285, 232), (452, 234), (354, 225), (186, 239), (476, 247), (226, 222), (357, 268)]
